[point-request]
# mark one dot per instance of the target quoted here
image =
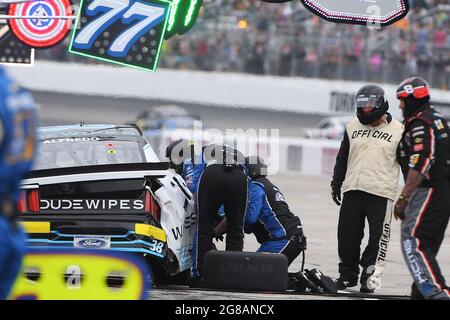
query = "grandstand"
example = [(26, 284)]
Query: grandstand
[(255, 37)]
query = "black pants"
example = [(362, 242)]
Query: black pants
[(356, 207), (220, 185), (291, 247), (426, 219)]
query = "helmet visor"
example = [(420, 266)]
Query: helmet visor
[(367, 102)]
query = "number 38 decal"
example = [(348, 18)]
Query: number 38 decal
[(122, 31)]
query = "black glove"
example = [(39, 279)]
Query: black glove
[(218, 238), (336, 193)]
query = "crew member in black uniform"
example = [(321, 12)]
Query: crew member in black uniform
[(219, 179), (423, 205)]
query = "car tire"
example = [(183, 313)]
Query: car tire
[(250, 271)]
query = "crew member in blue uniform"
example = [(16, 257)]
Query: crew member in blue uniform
[(18, 119), (268, 215), (219, 178)]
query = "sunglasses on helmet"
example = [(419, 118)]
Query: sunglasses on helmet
[(367, 102)]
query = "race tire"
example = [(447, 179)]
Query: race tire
[(250, 271)]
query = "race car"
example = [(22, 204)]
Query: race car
[(159, 123), (329, 128), (103, 187)]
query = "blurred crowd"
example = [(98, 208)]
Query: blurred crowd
[(255, 37)]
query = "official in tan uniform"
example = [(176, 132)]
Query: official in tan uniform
[(367, 171)]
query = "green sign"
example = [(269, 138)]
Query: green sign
[(183, 15)]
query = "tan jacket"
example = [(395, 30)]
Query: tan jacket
[(372, 160)]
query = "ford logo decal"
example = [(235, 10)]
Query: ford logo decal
[(92, 243)]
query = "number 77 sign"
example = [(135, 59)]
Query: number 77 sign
[(125, 32)]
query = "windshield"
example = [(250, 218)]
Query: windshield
[(81, 151)]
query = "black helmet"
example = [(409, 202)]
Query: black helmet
[(415, 92), (177, 151), (222, 154), (256, 167), (370, 96)]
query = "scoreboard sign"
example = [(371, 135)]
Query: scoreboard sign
[(125, 32), (365, 12)]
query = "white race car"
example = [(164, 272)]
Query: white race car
[(329, 128)]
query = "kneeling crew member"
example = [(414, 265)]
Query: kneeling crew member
[(268, 215)]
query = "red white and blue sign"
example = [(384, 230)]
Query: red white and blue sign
[(48, 28)]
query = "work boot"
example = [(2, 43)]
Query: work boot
[(365, 289), (364, 280)]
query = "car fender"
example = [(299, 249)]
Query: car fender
[(178, 218)]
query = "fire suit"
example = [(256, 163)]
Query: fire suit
[(17, 147), (269, 218), (425, 147)]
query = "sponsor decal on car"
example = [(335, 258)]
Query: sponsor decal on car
[(92, 242), (91, 204), (61, 140)]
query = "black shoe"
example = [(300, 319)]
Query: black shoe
[(415, 293), (365, 289), (342, 284)]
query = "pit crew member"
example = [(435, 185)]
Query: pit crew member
[(268, 215), (219, 179), (423, 205), (18, 121)]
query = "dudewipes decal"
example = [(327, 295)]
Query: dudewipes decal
[(364, 12), (91, 205)]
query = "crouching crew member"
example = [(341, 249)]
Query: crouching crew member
[(219, 179), (268, 215)]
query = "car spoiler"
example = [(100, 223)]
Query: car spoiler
[(99, 172)]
